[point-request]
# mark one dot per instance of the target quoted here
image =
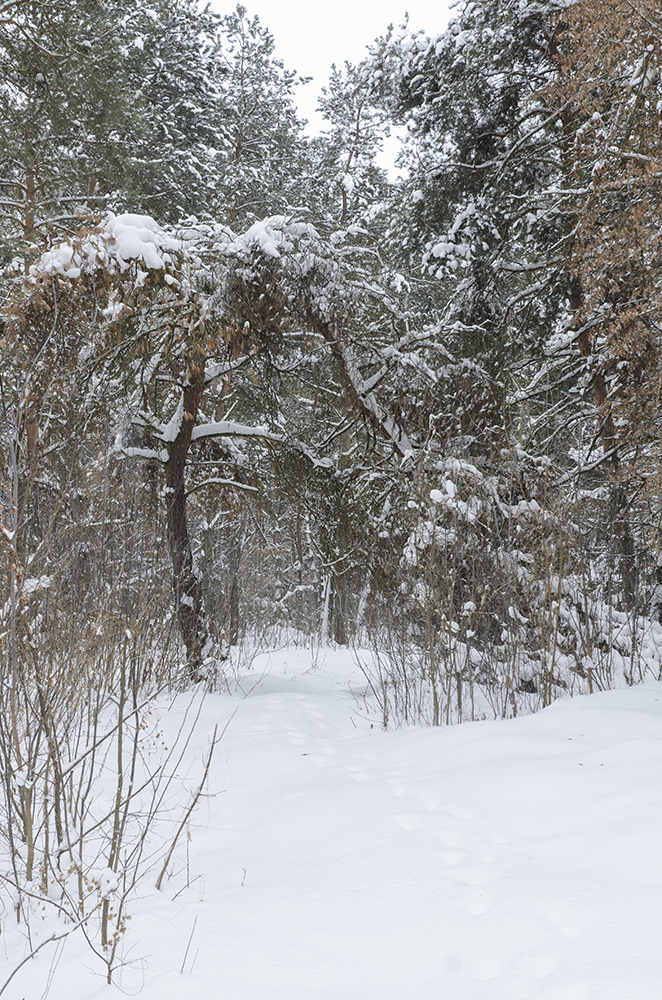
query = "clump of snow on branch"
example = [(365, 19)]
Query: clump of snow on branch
[(124, 239), (139, 237), (273, 235), (120, 240)]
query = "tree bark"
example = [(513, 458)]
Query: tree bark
[(186, 584), (235, 546), (337, 613)]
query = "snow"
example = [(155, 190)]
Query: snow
[(119, 240), (168, 432), (330, 860), (139, 237), (273, 235), (347, 182), (33, 584), (122, 239), (230, 428)]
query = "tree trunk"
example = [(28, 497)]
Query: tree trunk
[(28, 516), (622, 541), (186, 584), (30, 200), (337, 613), (623, 546), (236, 546)]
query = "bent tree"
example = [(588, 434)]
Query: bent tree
[(213, 341)]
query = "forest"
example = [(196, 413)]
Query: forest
[(254, 392)]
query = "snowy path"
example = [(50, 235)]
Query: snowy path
[(332, 861)]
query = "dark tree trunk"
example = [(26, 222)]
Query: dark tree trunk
[(28, 515), (235, 584), (623, 546), (337, 613), (186, 585)]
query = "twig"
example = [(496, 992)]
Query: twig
[(194, 801), (50, 940), (181, 971)]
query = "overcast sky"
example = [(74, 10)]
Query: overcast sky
[(312, 34)]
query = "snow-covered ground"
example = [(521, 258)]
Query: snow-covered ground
[(329, 860)]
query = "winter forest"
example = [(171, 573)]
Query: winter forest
[(255, 395)]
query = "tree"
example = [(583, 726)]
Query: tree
[(258, 167), (219, 325), (356, 127), (100, 107), (499, 386), (609, 75)]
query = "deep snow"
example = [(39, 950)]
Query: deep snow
[(330, 860)]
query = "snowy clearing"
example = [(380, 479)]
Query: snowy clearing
[(329, 860)]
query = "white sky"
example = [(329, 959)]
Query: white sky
[(310, 35)]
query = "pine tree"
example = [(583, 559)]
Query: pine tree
[(356, 125), (261, 152), (107, 109)]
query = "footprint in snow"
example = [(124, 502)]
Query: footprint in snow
[(541, 963), (450, 838), (478, 903), (452, 857), (489, 966), (461, 812), (559, 915), (408, 821), (472, 876), (358, 772)]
